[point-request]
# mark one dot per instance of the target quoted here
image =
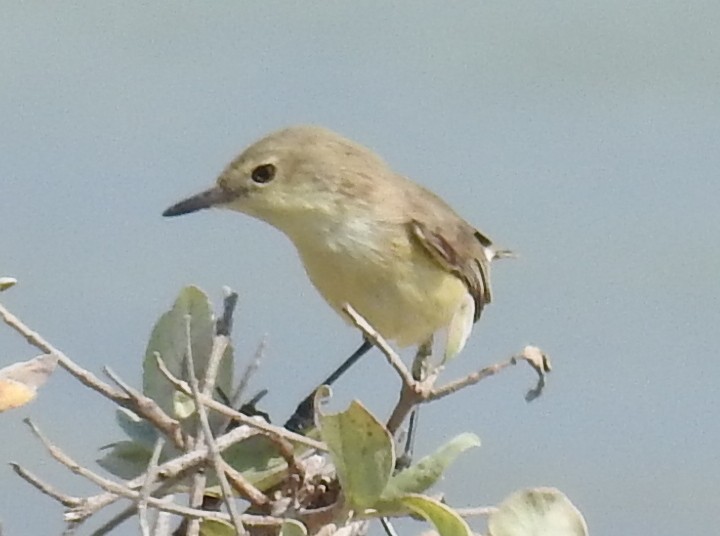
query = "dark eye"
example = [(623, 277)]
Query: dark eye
[(263, 173)]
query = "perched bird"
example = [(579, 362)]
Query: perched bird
[(367, 236)]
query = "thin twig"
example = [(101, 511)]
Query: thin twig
[(470, 379), (259, 424), (248, 373), (66, 500), (477, 511), (161, 491), (244, 488), (374, 337), (220, 342), (85, 377), (124, 490), (199, 478), (146, 489), (148, 409), (172, 469), (245, 377)]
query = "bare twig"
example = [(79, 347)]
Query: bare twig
[(245, 377), (172, 469), (199, 478), (219, 346), (470, 379), (124, 490), (374, 337), (85, 377), (478, 511), (244, 488), (66, 500), (416, 391), (145, 490), (148, 409), (259, 424), (248, 373)]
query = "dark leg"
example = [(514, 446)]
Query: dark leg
[(405, 459), (302, 418)]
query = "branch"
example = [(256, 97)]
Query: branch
[(419, 391), (149, 410), (172, 469), (67, 501), (374, 337), (146, 489), (219, 345), (35, 339), (259, 424), (143, 406), (125, 490)]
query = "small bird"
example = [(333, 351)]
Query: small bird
[(367, 236)]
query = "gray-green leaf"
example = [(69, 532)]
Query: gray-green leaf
[(537, 512)]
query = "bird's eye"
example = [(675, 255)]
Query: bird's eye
[(263, 173)]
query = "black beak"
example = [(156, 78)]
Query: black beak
[(207, 199)]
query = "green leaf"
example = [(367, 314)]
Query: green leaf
[(293, 528), (537, 512), (258, 461), (183, 405), (216, 527), (137, 429), (447, 522), (126, 460), (420, 476), (363, 453), (169, 339)]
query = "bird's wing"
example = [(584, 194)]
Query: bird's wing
[(463, 252)]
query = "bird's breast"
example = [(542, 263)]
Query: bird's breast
[(378, 269)]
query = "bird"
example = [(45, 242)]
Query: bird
[(367, 236)]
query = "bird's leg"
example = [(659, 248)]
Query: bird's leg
[(302, 418)]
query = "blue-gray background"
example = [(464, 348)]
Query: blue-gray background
[(583, 134)]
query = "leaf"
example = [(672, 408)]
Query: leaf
[(258, 461), (14, 394), (137, 429), (19, 382), (537, 512), (126, 460), (7, 282), (363, 453), (293, 528), (447, 522), (169, 340), (216, 527), (183, 405), (426, 472)]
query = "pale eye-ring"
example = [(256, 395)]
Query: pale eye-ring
[(263, 173)]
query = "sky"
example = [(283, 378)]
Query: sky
[(583, 135)]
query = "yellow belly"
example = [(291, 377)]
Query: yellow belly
[(405, 295)]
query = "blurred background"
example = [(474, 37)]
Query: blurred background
[(584, 135)]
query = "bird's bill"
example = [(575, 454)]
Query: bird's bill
[(207, 199)]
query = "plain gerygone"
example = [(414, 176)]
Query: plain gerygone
[(368, 237)]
